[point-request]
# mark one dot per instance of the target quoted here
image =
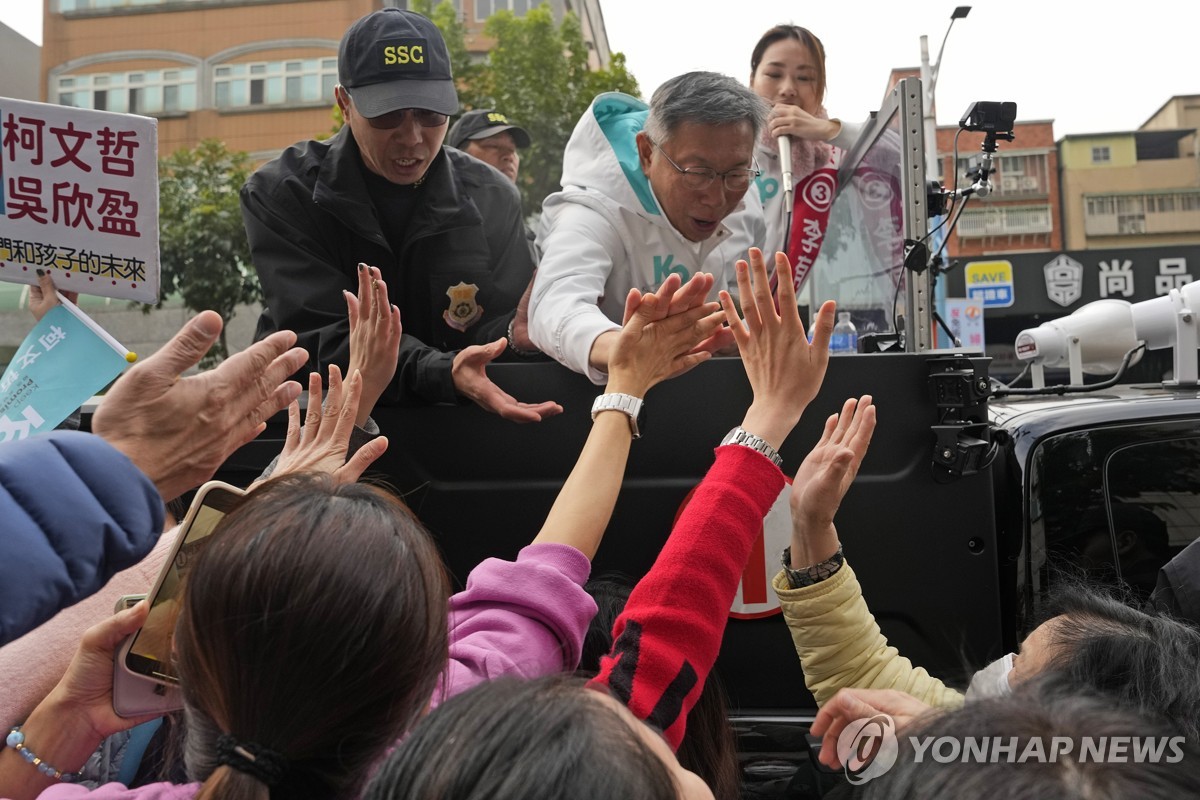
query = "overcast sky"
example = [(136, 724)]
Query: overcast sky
[(1089, 67)]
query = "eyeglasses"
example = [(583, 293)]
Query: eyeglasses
[(734, 180)]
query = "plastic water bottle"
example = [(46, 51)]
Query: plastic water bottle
[(845, 335)]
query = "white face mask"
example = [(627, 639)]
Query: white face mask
[(992, 680)]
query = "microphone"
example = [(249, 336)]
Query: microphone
[(785, 162)]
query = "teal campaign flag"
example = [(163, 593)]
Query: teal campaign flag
[(63, 361)]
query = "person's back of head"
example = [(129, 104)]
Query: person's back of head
[(1143, 661), (546, 739), (703, 98), (1048, 741), (312, 633), (709, 747)]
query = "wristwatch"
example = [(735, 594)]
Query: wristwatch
[(626, 404), (519, 352), (815, 573), (740, 435)]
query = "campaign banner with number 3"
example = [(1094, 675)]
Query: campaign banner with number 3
[(63, 361), (79, 199)]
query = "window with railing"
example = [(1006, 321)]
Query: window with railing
[(1024, 174), (72, 6), (1128, 214), (274, 83), (164, 91), (1004, 221), (485, 8)]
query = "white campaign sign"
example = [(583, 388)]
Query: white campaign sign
[(755, 598), (79, 198)]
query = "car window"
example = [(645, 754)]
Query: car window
[(1113, 504)]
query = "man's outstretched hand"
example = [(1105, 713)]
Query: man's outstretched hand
[(178, 430), (470, 379)]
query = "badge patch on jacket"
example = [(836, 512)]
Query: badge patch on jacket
[(464, 311)]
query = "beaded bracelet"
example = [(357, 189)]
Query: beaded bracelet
[(16, 740)]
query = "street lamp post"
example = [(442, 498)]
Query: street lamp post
[(929, 76)]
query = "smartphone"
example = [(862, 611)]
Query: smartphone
[(128, 601), (144, 676)]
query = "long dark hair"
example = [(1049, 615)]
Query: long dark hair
[(508, 739), (313, 625), (802, 35)]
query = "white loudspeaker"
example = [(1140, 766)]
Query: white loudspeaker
[(1096, 338), (1093, 340)]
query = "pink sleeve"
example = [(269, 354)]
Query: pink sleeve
[(667, 639), (525, 618), (118, 791)]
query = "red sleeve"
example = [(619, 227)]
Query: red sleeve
[(666, 640)]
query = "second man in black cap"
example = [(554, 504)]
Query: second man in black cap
[(488, 135)]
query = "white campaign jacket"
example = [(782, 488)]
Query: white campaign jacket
[(605, 234)]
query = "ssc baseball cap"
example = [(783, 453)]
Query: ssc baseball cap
[(482, 123), (392, 59)]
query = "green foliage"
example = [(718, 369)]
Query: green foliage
[(538, 75), (202, 240)]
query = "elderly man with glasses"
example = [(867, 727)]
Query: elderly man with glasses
[(444, 230), (648, 191)]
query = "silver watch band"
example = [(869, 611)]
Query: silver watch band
[(743, 437), (625, 403)]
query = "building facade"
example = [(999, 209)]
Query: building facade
[(255, 74), (1135, 188), (19, 78), (1021, 213)]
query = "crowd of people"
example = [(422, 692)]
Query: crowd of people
[(319, 650)]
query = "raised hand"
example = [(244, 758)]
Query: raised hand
[(469, 372), (374, 338), (43, 296), (322, 444), (661, 335), (823, 479), (784, 370), (178, 430)]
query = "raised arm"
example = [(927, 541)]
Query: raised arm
[(529, 617), (668, 637), (836, 637), (658, 340)]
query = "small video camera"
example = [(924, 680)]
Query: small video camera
[(989, 117)]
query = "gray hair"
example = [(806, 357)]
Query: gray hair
[(704, 98)]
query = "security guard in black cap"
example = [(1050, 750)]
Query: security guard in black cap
[(445, 231)]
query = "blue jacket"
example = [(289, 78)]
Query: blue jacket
[(73, 511)]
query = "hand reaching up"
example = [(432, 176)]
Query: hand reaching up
[(374, 338), (178, 430), (784, 370), (322, 444), (661, 334), (824, 478)]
